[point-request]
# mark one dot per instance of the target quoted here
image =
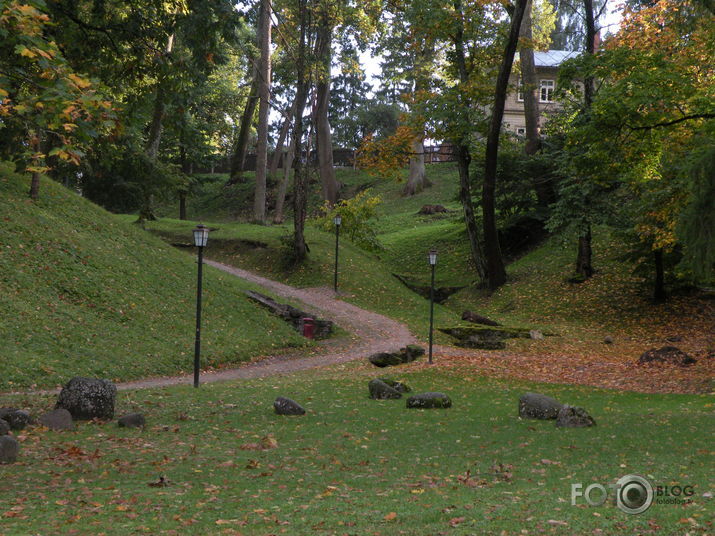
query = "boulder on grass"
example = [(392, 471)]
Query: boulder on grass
[(429, 401), (58, 419), (398, 386), (385, 359), (538, 406), (132, 420), (16, 418), (407, 354), (667, 354), (379, 390), (573, 417), (88, 398), (4, 427), (286, 406), (9, 447)]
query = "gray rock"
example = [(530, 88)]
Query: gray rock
[(88, 398), (379, 390), (385, 359), (608, 339), (667, 354), (538, 406), (16, 418), (4, 427), (398, 386), (286, 406), (536, 334), (58, 419), (9, 447), (132, 420), (407, 354), (573, 417), (429, 401)]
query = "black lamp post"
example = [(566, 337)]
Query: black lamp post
[(337, 220), (201, 237), (433, 262)]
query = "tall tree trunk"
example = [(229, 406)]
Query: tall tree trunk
[(465, 196), (300, 248), (182, 204), (259, 198), (146, 211), (545, 194), (278, 154), (529, 83), (283, 188), (324, 140), (186, 170), (417, 178), (584, 266), (496, 273), (238, 157), (464, 157), (659, 293)]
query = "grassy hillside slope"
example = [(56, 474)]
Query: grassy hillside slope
[(86, 293)]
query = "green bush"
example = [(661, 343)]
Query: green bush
[(356, 214)]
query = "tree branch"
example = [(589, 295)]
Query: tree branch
[(674, 121)]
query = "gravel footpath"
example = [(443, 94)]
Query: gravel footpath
[(369, 333)]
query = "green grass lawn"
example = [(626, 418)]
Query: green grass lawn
[(357, 466), (84, 293)]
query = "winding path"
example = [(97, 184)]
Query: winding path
[(369, 333)]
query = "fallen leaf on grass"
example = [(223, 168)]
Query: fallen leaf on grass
[(455, 521), (390, 516)]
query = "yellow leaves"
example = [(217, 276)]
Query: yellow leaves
[(391, 516), (26, 52), (79, 81)]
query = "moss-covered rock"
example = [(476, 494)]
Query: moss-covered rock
[(392, 359), (487, 337), (379, 390)]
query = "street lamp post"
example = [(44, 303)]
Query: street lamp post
[(201, 237), (433, 262), (337, 220)]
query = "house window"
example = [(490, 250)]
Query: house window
[(520, 90), (547, 91), (521, 132)]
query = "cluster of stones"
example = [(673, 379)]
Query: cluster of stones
[(538, 406), (80, 399)]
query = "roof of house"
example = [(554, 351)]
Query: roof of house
[(553, 58)]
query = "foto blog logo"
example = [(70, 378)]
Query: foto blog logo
[(634, 494)]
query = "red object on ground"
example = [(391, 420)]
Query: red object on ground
[(308, 328)]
